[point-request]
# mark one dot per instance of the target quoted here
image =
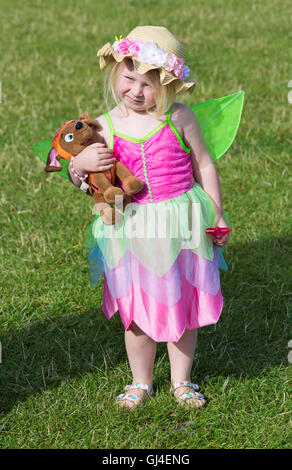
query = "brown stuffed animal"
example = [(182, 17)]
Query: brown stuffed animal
[(73, 137)]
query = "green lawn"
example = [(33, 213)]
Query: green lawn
[(62, 362)]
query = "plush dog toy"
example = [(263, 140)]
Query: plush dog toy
[(68, 142)]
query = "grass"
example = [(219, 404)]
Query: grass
[(62, 361)]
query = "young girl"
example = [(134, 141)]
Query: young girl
[(161, 269)]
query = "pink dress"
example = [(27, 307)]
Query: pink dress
[(161, 269)]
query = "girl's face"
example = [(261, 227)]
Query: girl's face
[(135, 90)]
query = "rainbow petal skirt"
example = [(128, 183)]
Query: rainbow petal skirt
[(161, 269)]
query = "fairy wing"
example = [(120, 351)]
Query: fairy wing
[(42, 150), (219, 120)]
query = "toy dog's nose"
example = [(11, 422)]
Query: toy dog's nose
[(78, 125)]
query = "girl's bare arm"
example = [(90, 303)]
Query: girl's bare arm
[(205, 172)]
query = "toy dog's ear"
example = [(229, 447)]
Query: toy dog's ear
[(53, 163), (89, 120)]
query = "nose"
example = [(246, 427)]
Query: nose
[(137, 90), (78, 125)]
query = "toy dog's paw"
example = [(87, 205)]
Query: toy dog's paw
[(133, 185), (111, 192)]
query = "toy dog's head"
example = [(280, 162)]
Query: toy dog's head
[(71, 139)]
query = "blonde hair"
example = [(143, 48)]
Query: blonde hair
[(164, 97)]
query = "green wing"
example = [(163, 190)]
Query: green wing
[(219, 120), (42, 149)]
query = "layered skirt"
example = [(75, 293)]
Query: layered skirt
[(161, 270)]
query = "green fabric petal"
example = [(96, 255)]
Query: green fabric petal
[(42, 149), (219, 120), (142, 234)]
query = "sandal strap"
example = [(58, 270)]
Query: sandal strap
[(193, 393), (145, 387), (185, 383)]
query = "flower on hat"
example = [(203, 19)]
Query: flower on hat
[(186, 72), (150, 53), (169, 65), (178, 67), (123, 46), (134, 48)]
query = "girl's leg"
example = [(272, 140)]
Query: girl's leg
[(141, 352), (181, 356)]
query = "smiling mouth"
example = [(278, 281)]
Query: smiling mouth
[(135, 101)]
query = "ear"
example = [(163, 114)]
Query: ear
[(89, 120), (53, 163), (84, 116)]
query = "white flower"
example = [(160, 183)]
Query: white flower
[(151, 54), (115, 46)]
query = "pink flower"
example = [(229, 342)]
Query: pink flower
[(134, 48), (169, 65), (123, 46), (179, 67)]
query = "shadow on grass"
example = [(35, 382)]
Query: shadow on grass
[(251, 336)]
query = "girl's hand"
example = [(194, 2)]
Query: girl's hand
[(95, 157), (221, 241)]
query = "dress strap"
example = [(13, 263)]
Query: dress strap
[(169, 113), (111, 128), (175, 131)]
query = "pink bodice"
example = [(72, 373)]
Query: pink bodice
[(160, 159)]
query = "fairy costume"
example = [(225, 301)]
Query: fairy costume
[(161, 269)]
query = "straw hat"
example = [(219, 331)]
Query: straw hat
[(151, 47)]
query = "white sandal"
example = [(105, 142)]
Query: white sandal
[(192, 394), (131, 397)]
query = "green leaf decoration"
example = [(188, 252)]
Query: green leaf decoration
[(219, 120)]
